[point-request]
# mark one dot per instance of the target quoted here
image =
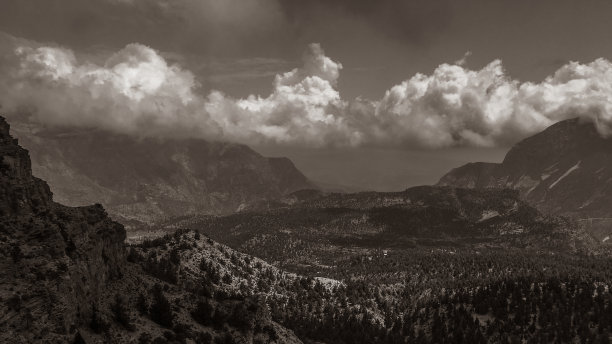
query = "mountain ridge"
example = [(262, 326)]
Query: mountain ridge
[(148, 179), (564, 170)]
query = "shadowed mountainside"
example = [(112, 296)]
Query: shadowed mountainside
[(566, 169), (146, 180)]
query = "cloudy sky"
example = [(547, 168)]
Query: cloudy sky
[(376, 94)]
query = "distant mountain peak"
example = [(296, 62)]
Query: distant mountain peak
[(148, 179), (566, 169)]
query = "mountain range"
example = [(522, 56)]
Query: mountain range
[(564, 170), (144, 180)]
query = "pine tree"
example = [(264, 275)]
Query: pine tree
[(161, 312)]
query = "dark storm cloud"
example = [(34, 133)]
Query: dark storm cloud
[(410, 21), (263, 28), (79, 23), (187, 26)]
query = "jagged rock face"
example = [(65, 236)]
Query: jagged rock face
[(21, 193), (56, 260), (566, 169), (149, 179)]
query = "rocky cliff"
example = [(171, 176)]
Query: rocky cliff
[(57, 260)]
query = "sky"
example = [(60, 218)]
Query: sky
[(368, 94)]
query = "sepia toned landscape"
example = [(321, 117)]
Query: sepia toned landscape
[(211, 172)]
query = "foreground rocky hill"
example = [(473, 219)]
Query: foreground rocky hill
[(66, 277), (145, 180)]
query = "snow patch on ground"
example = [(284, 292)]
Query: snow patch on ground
[(605, 239), (525, 182), (587, 203), (572, 169), (329, 283), (488, 214)]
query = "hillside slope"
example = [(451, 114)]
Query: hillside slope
[(428, 265), (309, 230), (66, 277), (566, 169)]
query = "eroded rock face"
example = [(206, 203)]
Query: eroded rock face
[(56, 260), (21, 193)]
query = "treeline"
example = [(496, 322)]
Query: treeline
[(404, 296)]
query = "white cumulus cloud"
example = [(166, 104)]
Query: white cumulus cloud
[(136, 91)]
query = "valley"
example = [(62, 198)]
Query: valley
[(431, 264)]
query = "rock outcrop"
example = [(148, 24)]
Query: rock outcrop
[(57, 260)]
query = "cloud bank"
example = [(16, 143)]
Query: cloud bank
[(136, 91)]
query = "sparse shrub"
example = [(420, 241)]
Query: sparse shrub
[(142, 305), (227, 279), (121, 313), (163, 269), (225, 339), (16, 253), (144, 338), (175, 256), (206, 289), (14, 303), (98, 324), (78, 339), (221, 295), (62, 266), (161, 311), (203, 313), (181, 333), (219, 318), (204, 338), (242, 318), (160, 340), (133, 256), (271, 332)]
